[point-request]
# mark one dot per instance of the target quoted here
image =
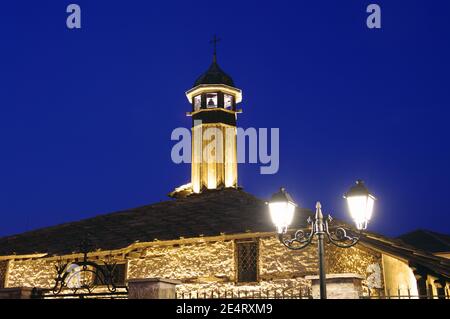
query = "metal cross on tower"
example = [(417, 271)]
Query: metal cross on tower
[(214, 43)]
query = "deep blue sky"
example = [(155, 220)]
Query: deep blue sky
[(86, 115)]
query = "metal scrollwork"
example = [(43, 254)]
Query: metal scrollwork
[(299, 240), (84, 276), (338, 236), (318, 228)]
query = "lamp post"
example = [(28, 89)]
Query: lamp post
[(282, 208)]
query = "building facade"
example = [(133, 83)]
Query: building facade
[(213, 238)]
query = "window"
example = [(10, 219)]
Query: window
[(227, 101), (247, 261), (118, 275), (211, 100), (197, 102)]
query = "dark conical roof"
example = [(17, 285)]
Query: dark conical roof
[(214, 75)]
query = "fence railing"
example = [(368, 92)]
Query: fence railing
[(121, 293), (404, 294), (292, 294), (246, 294), (407, 297)]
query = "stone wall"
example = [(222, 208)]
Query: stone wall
[(338, 286), (199, 262), (276, 261), (264, 288), (31, 273), (209, 267), (358, 260)]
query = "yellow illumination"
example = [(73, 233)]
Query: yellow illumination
[(230, 157), (197, 133), (214, 156), (361, 208), (207, 88), (281, 214)]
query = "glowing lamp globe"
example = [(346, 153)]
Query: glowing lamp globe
[(360, 204), (282, 208)]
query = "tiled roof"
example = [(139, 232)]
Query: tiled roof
[(214, 75), (427, 240), (212, 213), (228, 211), (417, 258)]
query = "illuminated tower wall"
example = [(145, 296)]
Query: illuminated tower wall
[(214, 142)]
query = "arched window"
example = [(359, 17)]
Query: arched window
[(228, 101), (211, 100), (197, 102)]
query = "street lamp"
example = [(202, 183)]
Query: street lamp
[(360, 204), (282, 208)]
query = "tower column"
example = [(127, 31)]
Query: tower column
[(214, 140)]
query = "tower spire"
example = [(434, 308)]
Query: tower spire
[(214, 41)]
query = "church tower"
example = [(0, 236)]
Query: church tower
[(214, 143)]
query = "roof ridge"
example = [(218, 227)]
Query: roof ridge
[(438, 237)]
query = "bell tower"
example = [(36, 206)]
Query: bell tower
[(214, 98)]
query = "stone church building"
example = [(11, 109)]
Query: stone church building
[(211, 239)]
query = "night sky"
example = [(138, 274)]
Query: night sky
[(86, 115)]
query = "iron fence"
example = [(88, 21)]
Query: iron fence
[(246, 294), (121, 293), (294, 294), (400, 294)]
